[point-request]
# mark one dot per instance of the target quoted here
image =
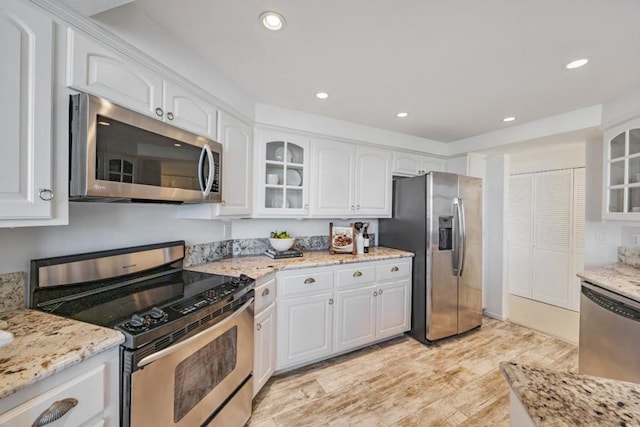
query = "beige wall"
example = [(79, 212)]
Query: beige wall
[(555, 321)]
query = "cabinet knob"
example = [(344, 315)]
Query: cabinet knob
[(306, 206), (358, 207), (380, 292), (353, 207), (357, 274), (394, 269), (309, 280), (375, 294), (265, 292), (54, 412), (45, 194), (170, 115), (223, 202), (159, 112), (259, 326), (330, 301)]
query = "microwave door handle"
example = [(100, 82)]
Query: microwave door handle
[(200, 166), (206, 189)]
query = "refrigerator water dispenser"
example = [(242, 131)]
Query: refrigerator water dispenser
[(445, 224)]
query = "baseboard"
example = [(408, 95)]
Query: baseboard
[(500, 317)]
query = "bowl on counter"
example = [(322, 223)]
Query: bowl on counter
[(281, 244)]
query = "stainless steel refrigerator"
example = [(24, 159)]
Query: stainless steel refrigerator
[(438, 216)]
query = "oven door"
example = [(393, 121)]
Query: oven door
[(184, 384), (120, 154)]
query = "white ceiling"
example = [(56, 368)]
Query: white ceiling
[(458, 66)]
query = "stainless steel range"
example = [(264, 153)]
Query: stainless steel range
[(187, 359)]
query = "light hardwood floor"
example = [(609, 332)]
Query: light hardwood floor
[(405, 383)]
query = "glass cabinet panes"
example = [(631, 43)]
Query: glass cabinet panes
[(634, 141), (284, 175), (634, 170), (617, 146), (616, 173), (634, 200), (616, 200)]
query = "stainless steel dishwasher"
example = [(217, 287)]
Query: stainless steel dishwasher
[(609, 334)]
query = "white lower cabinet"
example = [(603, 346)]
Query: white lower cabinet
[(264, 357), (329, 310), (89, 392)]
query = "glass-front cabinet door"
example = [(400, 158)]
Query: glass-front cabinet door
[(284, 174), (622, 173)]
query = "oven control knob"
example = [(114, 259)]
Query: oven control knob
[(235, 281), (244, 278), (156, 313), (137, 321)]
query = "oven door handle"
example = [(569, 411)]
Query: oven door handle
[(162, 353)]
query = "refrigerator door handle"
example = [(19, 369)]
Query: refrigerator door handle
[(455, 241), (463, 237)]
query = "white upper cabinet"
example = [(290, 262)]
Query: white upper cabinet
[(236, 138), (350, 180), (405, 164), (622, 171), (26, 69), (102, 71), (283, 175)]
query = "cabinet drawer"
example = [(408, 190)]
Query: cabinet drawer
[(265, 295), (394, 270), (309, 281), (87, 389), (360, 274)]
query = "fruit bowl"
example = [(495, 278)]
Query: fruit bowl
[(281, 244)]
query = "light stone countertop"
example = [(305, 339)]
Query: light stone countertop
[(554, 398), (620, 278), (44, 344), (259, 266)]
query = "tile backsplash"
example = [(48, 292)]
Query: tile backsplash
[(629, 256), (11, 291), (208, 252)]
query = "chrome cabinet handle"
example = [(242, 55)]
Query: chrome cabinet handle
[(45, 194), (259, 326), (54, 412), (309, 280), (375, 294), (170, 115), (358, 207), (394, 269), (265, 292), (159, 112), (357, 274), (330, 301), (380, 292)]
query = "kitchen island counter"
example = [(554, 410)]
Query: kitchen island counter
[(553, 398), (259, 266), (621, 278), (44, 344)]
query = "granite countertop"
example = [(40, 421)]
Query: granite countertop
[(623, 279), (260, 265), (44, 344), (555, 398)]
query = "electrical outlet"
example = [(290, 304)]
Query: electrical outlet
[(226, 230), (635, 240)]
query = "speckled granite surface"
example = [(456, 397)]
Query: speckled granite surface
[(620, 278), (567, 399), (630, 256), (259, 266), (11, 291), (44, 344)]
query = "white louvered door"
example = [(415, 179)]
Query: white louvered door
[(545, 240), (519, 234)]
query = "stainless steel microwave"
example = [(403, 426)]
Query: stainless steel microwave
[(118, 154)]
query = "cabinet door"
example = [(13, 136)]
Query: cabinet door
[(25, 111), (373, 182), (188, 111), (355, 318), (304, 329), (393, 311), (429, 164), (406, 164), (236, 138), (264, 356), (101, 71), (333, 178)]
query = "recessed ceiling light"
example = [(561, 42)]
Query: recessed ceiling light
[(322, 95), (177, 145), (402, 114), (104, 123), (508, 119), (576, 64), (272, 21)]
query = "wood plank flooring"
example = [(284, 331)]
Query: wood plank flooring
[(405, 383)]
